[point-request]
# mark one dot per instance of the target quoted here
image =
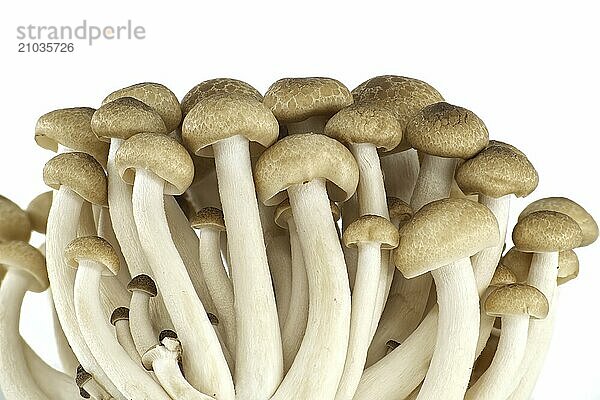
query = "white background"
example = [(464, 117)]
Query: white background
[(528, 69)]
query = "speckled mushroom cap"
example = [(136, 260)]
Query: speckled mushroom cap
[(399, 210), (216, 86), (71, 128), (81, 173), (125, 117), (82, 377), (38, 210), (519, 263), (503, 276), (442, 232), (209, 218), (283, 212), (119, 314), (93, 248), (546, 231), (14, 224), (159, 154), (22, 256), (371, 228), (155, 95), (143, 283), (297, 99), (568, 266), (497, 171), (365, 123), (567, 206), (446, 130), (222, 116), (301, 158), (516, 299)]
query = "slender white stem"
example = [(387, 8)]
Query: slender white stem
[(259, 356), (349, 215), (16, 380), (400, 171), (364, 307), (206, 369), (124, 338), (142, 332), (68, 360), (319, 364), (495, 383), (280, 265), (105, 231), (434, 181)]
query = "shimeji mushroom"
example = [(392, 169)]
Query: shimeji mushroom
[(93, 257), (514, 304), (88, 387), (370, 234), (440, 238), (142, 288), (216, 86), (520, 263), (305, 105), (15, 223), (25, 271), (225, 126), (38, 210), (120, 320), (311, 168)]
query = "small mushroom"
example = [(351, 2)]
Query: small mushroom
[(88, 387), (142, 289), (38, 210), (120, 320)]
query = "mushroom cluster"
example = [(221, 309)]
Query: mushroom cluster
[(311, 243)]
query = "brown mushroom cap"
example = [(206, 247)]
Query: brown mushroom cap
[(497, 171), (38, 210), (301, 158), (209, 218), (143, 283), (222, 116), (297, 99), (159, 154), (81, 173), (503, 276), (399, 210), (125, 117), (119, 314), (446, 130), (22, 256), (519, 263), (374, 229), (566, 206), (14, 223), (546, 231), (442, 232), (517, 299), (365, 123), (70, 127), (93, 248), (155, 95), (82, 377), (216, 86)]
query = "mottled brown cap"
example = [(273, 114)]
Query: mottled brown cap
[(399, 210), (119, 314), (81, 173), (546, 231), (167, 333), (125, 117), (497, 171), (567, 206), (71, 128), (446, 130), (38, 210), (222, 116), (568, 266), (213, 319), (519, 263), (373, 229), (503, 276), (301, 158), (155, 95), (365, 123), (143, 283), (159, 154), (14, 223), (297, 99), (516, 299), (24, 257), (442, 232), (209, 218), (216, 86), (93, 248)]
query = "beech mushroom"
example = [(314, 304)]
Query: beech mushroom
[(304, 105), (88, 387), (15, 222), (520, 262), (38, 210), (216, 86), (120, 320), (424, 247), (311, 168), (142, 289), (223, 126)]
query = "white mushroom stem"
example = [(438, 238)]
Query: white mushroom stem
[(496, 381), (63, 220), (105, 231), (67, 358), (259, 355), (142, 331), (207, 369), (434, 181), (314, 124), (219, 284), (457, 335), (326, 339), (364, 308), (16, 380), (295, 323), (127, 375), (96, 391), (349, 215), (400, 171), (124, 338)]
